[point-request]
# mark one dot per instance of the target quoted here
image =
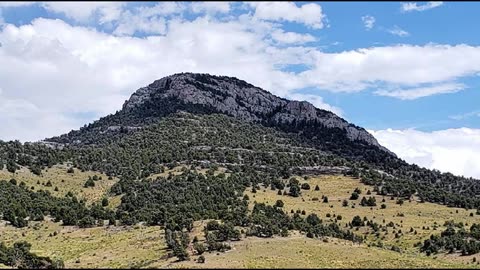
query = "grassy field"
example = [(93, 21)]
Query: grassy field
[(297, 251), (63, 181), (144, 247), (425, 218), (100, 247)]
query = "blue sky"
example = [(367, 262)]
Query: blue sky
[(451, 23), (405, 71)]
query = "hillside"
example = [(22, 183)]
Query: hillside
[(191, 148)]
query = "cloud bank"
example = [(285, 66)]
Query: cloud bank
[(451, 150)]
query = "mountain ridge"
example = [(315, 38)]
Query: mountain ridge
[(242, 100), (206, 94)]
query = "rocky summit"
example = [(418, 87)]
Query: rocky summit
[(237, 98)]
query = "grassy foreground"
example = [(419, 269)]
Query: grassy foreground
[(144, 247)]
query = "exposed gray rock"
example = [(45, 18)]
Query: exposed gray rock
[(52, 145), (242, 100), (320, 170)]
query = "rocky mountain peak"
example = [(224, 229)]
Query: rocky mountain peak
[(237, 98)]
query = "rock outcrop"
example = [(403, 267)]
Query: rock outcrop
[(241, 100)]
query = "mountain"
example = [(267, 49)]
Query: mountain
[(236, 98), (207, 94)]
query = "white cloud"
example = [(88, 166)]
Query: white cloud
[(210, 7), (396, 66), (162, 8), (414, 93), (442, 150), (27, 122), (397, 31), (413, 6), (317, 101), (308, 14), (130, 24), (291, 37), (147, 20), (8, 4), (368, 21), (83, 11)]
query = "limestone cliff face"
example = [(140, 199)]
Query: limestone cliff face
[(241, 100)]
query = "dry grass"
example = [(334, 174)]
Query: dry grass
[(100, 247), (297, 251), (64, 181), (412, 214)]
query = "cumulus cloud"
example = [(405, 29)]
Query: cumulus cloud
[(368, 21), (396, 66), (130, 24), (83, 11), (309, 14), (210, 7), (291, 37), (414, 93), (413, 6), (451, 150), (162, 8), (66, 68)]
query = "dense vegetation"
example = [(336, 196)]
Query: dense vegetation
[(446, 189), (223, 140), (19, 204), (176, 201)]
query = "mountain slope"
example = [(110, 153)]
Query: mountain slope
[(151, 114), (206, 94)]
